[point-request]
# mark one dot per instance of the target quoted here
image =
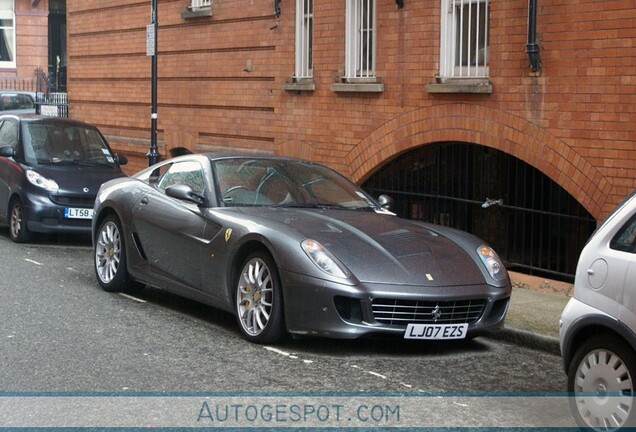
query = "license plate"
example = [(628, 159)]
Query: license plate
[(436, 331), (78, 213)]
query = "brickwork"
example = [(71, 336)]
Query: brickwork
[(221, 78), (31, 42)]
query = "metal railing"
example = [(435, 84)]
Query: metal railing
[(52, 105)]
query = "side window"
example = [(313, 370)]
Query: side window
[(25, 101), (625, 238), (186, 172), (9, 134)]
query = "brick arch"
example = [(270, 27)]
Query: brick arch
[(488, 127)]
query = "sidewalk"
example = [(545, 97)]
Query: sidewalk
[(535, 308)]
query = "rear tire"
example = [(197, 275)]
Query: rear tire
[(259, 300), (18, 230), (601, 380), (110, 258)]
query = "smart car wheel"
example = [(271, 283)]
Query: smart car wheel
[(601, 379), (18, 230), (110, 258), (259, 301)]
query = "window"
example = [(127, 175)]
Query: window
[(464, 39), (197, 4), (625, 239), (188, 172), (360, 39), (304, 38), (9, 134), (7, 34)]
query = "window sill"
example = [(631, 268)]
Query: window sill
[(461, 85), (358, 86), (304, 84), (196, 13)]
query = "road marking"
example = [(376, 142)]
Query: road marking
[(33, 262), (369, 372), (286, 354), (128, 296)]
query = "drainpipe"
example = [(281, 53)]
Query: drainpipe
[(532, 48)]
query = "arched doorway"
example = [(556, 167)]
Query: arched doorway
[(532, 222)]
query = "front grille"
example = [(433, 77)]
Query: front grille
[(73, 201), (399, 313)]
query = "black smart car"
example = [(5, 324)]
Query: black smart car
[(50, 172)]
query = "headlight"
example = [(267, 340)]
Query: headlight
[(492, 262), (41, 181), (323, 259)]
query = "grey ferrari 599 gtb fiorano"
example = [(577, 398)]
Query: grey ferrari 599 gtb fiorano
[(290, 246)]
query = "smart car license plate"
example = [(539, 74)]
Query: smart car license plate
[(78, 213), (436, 331)]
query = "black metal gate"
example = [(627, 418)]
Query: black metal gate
[(533, 223)]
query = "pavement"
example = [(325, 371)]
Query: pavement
[(533, 315)]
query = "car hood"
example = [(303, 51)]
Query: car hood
[(78, 179), (380, 248)]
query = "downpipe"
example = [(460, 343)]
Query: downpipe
[(532, 48)]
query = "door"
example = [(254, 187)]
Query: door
[(171, 231)]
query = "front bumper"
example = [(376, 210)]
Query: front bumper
[(46, 216), (316, 307)]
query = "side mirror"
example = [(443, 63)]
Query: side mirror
[(385, 201), (121, 159), (7, 151), (186, 193)]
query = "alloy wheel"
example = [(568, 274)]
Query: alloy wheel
[(254, 296), (108, 252), (16, 220)]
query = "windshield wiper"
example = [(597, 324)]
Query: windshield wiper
[(295, 205), (95, 163)]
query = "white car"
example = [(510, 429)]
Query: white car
[(17, 102), (598, 325)]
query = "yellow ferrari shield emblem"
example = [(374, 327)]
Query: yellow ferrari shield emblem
[(228, 233)]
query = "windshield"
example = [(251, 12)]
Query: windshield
[(46, 144), (286, 183)]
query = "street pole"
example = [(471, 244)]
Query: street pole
[(151, 49)]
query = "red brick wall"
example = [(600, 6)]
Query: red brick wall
[(31, 42), (220, 85)]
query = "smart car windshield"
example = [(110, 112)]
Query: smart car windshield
[(286, 183), (48, 143)]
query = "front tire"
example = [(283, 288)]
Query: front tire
[(259, 300), (18, 230), (110, 258), (601, 380)]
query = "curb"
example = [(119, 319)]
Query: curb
[(527, 339)]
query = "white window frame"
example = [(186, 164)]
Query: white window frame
[(455, 16), (360, 39), (304, 39), (200, 4), (9, 15)]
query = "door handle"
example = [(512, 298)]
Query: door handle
[(144, 200), (590, 272)]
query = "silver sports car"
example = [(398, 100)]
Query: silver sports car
[(290, 246)]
